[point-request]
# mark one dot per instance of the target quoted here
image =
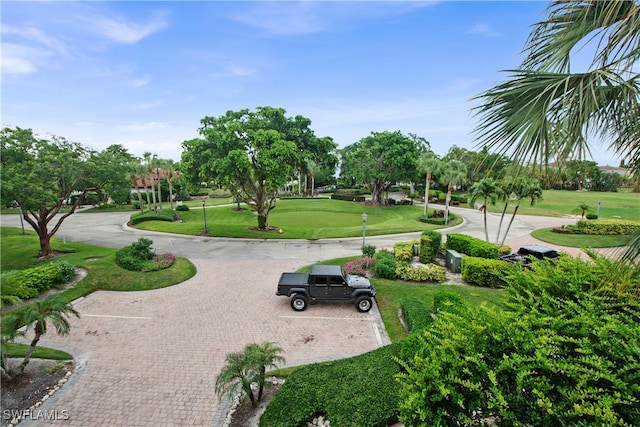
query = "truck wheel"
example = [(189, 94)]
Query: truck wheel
[(363, 304), (298, 302)]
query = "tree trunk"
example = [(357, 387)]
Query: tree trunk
[(313, 184), (170, 191), (159, 189), (426, 195), (45, 245), (34, 343), (504, 211), (146, 191), (261, 383), (484, 214), (515, 211), (446, 204), (140, 199)]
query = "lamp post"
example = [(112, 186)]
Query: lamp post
[(204, 216), (364, 227)]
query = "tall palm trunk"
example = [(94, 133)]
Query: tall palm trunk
[(159, 189), (447, 201), (515, 211), (426, 195), (504, 211), (170, 190)]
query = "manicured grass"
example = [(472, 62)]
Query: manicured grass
[(390, 293), (580, 240), (20, 350), (563, 203), (19, 252), (299, 219)]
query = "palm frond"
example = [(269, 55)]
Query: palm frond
[(540, 116)]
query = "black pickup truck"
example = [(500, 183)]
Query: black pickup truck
[(326, 283)]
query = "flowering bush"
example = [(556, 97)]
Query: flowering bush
[(359, 267), (160, 262)]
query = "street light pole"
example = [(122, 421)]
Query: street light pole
[(204, 216), (364, 227)]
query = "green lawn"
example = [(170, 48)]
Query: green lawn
[(299, 219), (19, 252), (560, 203), (580, 240)]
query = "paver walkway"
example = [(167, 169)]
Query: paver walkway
[(152, 357)]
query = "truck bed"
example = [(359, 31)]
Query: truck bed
[(291, 279)]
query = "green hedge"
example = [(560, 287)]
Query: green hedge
[(472, 246), (437, 220), (488, 273), (415, 314), (30, 282), (425, 273), (430, 242), (182, 208), (385, 265), (163, 215), (606, 227), (348, 197), (403, 251), (448, 301), (359, 391)]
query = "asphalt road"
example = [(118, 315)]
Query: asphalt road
[(110, 230)]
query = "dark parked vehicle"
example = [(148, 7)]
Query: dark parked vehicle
[(326, 283), (525, 253)]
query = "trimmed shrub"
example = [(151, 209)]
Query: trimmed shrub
[(403, 251), (369, 251), (423, 273), (163, 215), (385, 265), (354, 392), (458, 242), (488, 273), (606, 227), (348, 197), (472, 246), (481, 249), (592, 216), (504, 250), (10, 285), (404, 202), (415, 314), (182, 208), (135, 256), (430, 242)]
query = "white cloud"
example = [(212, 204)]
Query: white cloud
[(21, 59), (283, 18), (140, 127), (483, 29), (239, 70), (34, 35), (120, 30)]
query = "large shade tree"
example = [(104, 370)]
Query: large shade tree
[(43, 175), (254, 152), (380, 160)]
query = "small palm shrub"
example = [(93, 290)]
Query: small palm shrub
[(139, 257)]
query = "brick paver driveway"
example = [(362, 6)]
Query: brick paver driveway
[(152, 357)]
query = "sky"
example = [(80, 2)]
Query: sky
[(143, 74)]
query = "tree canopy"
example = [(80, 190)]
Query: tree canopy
[(380, 160), (42, 175), (253, 152)]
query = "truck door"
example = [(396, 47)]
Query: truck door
[(338, 288), (319, 288)]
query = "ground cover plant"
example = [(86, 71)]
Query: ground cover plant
[(299, 219)]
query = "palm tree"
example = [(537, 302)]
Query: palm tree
[(582, 209), (236, 376), (486, 188), (264, 355), (546, 112), (53, 309), (428, 163), (148, 159), (453, 172), (525, 189)]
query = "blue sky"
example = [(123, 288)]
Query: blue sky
[(143, 74)]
